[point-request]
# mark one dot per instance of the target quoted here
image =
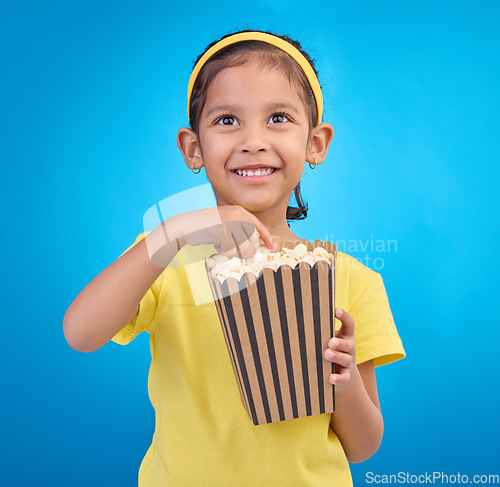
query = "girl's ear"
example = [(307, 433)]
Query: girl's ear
[(319, 142), (187, 142)]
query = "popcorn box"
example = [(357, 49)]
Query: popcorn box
[(277, 327)]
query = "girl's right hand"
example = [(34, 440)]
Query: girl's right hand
[(231, 229)]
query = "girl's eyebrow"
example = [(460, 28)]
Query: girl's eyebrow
[(281, 106), (234, 108), (223, 108)]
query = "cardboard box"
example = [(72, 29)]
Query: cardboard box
[(277, 328)]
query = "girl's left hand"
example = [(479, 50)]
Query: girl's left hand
[(342, 349)]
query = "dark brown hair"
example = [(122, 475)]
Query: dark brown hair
[(236, 55)]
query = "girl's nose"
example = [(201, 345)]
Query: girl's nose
[(254, 139)]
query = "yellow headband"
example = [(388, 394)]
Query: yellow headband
[(269, 39)]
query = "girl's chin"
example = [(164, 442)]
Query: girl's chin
[(253, 203), (270, 209), (251, 206)]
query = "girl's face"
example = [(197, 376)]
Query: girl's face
[(253, 119)]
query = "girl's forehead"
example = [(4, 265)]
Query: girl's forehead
[(253, 66), (253, 76)]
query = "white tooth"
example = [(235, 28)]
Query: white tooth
[(257, 172)]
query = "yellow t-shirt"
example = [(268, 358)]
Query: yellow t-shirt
[(203, 435)]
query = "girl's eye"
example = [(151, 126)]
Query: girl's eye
[(279, 118), (227, 120)]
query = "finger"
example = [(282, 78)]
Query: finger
[(347, 328), (230, 237), (235, 239), (341, 377), (253, 236), (264, 233), (339, 358), (241, 242), (248, 239), (228, 246), (225, 244), (342, 345)]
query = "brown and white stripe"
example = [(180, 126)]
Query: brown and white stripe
[(277, 328)]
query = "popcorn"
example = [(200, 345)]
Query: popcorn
[(299, 251), (247, 268), (215, 260), (219, 258), (235, 264), (309, 259), (321, 253), (274, 264), (222, 267)]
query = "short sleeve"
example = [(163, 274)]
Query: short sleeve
[(377, 338), (147, 309)]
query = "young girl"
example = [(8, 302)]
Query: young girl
[(255, 108)]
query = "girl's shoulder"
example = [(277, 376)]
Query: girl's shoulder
[(354, 279), (354, 268)]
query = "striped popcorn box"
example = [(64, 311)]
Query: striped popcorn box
[(277, 327)]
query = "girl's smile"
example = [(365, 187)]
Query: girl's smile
[(255, 174)]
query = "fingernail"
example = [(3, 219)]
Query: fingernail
[(339, 312), (334, 343)]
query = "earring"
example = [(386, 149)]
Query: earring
[(312, 166), (195, 172)]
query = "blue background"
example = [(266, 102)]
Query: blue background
[(92, 94)]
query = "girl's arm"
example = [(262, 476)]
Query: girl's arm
[(357, 419), (111, 300)]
